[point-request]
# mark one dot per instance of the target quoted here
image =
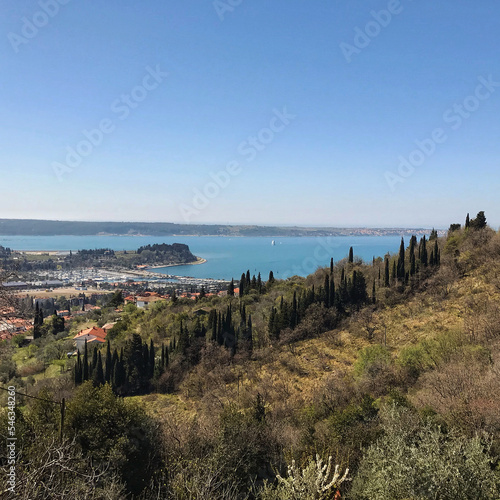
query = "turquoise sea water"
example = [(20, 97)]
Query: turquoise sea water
[(229, 257)]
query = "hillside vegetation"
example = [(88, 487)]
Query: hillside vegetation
[(391, 368)]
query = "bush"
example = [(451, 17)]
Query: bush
[(421, 462)]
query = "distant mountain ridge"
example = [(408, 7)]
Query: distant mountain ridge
[(32, 227)]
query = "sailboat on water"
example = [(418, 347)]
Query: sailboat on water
[(273, 243)]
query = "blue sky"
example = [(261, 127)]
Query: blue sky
[(302, 112)]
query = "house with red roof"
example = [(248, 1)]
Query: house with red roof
[(93, 336)]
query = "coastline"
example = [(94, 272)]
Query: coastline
[(199, 260)]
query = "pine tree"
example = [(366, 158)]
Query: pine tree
[(479, 222)]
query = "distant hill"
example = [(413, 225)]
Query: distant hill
[(31, 227)]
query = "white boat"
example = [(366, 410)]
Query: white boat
[(273, 243)]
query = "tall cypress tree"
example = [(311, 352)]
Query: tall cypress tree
[(109, 364), (151, 358), (386, 273), (467, 222), (326, 291), (401, 262), (259, 283), (351, 255), (230, 290), (98, 377), (423, 251), (242, 285), (271, 277), (85, 367), (78, 369), (331, 265)]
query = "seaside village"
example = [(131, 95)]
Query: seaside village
[(11, 324)]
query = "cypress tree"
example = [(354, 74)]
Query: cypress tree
[(151, 358), (386, 273), (253, 284), (467, 222), (247, 279), (220, 333), (326, 291), (109, 364), (271, 277), (351, 255), (374, 299), (394, 271), (332, 292), (230, 290), (242, 285), (423, 252), (98, 377), (250, 332), (259, 283), (331, 265), (94, 361), (162, 359), (412, 264), (78, 370), (401, 261), (293, 313), (85, 363)]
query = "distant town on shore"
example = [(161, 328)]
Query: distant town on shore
[(32, 227)]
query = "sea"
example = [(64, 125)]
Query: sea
[(229, 257)]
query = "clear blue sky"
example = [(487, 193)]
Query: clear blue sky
[(358, 106)]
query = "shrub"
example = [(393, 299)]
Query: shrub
[(420, 461)]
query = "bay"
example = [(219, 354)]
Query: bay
[(229, 257)]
